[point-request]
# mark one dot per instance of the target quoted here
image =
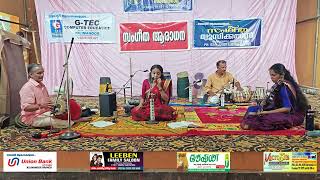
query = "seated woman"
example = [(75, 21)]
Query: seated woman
[(158, 88), (284, 108)]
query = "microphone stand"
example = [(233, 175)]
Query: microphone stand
[(124, 87), (69, 134), (131, 76)]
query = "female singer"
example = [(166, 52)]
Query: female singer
[(159, 89), (284, 108)]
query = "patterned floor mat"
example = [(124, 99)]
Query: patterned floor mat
[(225, 121), (13, 139)]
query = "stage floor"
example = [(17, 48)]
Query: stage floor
[(20, 139), (14, 139)]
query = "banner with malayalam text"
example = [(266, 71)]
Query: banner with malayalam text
[(154, 36), (227, 33), (84, 27), (156, 5), (203, 161)]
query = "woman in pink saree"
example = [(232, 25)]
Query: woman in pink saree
[(158, 88)]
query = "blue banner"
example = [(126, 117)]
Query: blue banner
[(156, 5), (227, 33)]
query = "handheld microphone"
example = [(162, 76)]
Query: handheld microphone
[(145, 70)]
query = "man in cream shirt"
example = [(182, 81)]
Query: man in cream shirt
[(220, 79)]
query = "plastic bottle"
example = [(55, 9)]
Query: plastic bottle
[(309, 119), (222, 100)]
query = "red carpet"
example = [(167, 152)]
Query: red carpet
[(288, 132), (216, 115)]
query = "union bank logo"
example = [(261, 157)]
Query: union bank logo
[(13, 162)]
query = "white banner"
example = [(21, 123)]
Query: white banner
[(30, 162), (203, 161), (84, 27)]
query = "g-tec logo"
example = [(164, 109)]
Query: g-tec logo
[(13, 162)]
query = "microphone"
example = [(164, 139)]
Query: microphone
[(145, 70)]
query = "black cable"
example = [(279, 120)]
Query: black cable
[(4, 20)]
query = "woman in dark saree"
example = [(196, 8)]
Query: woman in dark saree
[(284, 108)]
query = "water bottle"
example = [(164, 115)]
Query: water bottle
[(309, 119), (222, 100)]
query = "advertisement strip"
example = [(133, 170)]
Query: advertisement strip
[(116, 161), (290, 162), (227, 33), (203, 161), (30, 162), (83, 27), (157, 5)]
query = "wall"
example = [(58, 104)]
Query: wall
[(305, 36), (306, 58), (89, 62), (17, 8)]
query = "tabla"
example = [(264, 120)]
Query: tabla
[(259, 93), (242, 96), (60, 107)]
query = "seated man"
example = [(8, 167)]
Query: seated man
[(35, 101), (220, 79)]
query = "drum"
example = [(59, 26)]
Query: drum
[(242, 96), (182, 85), (60, 107), (259, 93), (214, 99)]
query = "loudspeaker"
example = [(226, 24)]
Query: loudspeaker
[(108, 104)]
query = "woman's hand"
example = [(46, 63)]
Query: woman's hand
[(159, 83), (139, 106)]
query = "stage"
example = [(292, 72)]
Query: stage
[(246, 150), (20, 139)]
